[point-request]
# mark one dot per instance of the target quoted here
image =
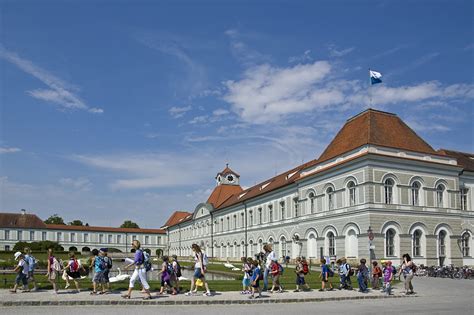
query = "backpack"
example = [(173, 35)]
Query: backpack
[(280, 269), (378, 271), (102, 263), (109, 262), (178, 270), (146, 261), (205, 259), (56, 266), (394, 270), (74, 266), (351, 271), (169, 268), (413, 267), (25, 265), (330, 272), (32, 262), (305, 268)]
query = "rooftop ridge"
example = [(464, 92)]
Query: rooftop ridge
[(370, 110)]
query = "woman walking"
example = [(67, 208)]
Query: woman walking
[(199, 270), (139, 272), (270, 257), (408, 273), (54, 267)]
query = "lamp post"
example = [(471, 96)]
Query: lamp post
[(370, 234)]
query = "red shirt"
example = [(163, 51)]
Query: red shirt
[(275, 269)]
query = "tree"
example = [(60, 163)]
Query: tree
[(77, 223), (54, 219), (129, 224)]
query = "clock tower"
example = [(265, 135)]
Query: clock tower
[(227, 177)]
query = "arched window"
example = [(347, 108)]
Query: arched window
[(260, 221), (388, 190), (282, 210), (465, 244), (352, 193), (390, 243), (330, 195), (415, 194), (311, 202), (442, 244), (417, 243), (284, 252), (331, 244), (235, 222), (439, 195), (312, 248)]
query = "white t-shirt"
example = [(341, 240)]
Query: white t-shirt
[(22, 263), (270, 258)]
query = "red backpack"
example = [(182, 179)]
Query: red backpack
[(74, 266), (305, 268)]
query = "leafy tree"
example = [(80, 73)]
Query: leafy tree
[(129, 224), (54, 219), (41, 246), (77, 223)]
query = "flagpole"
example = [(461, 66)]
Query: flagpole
[(369, 90)]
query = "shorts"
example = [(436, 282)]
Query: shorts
[(246, 282), (300, 280), (166, 281), (106, 276), (31, 274), (257, 284), (197, 273), (99, 277), (53, 275), (21, 278), (74, 275)]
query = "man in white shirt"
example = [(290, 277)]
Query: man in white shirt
[(270, 254)]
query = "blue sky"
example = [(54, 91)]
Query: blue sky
[(127, 110)]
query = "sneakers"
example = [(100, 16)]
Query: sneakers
[(207, 294), (188, 293), (331, 289), (67, 286), (321, 290)]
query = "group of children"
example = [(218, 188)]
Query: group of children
[(170, 273)]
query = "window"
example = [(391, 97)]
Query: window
[(417, 243), (228, 223), (282, 210), (330, 194), (388, 189), (283, 246), (7, 248), (463, 194), (119, 239), (158, 240), (250, 218), (73, 237), (110, 239), (43, 236), (439, 195), (311, 202), (32, 235), (20, 235), (134, 237), (59, 236), (465, 244), (270, 213), (352, 193), (147, 239), (415, 194), (390, 243), (86, 237), (7, 235), (222, 224), (260, 216), (442, 244), (101, 238), (235, 222), (243, 219), (331, 244), (295, 204)]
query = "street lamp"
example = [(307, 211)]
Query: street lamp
[(370, 234)]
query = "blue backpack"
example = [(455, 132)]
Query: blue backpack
[(330, 271), (280, 269)]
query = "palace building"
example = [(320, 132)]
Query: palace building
[(376, 178), (16, 227)]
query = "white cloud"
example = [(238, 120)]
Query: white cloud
[(199, 119), (9, 150), (305, 57), (333, 52), (220, 112), (59, 92), (80, 183), (177, 112)]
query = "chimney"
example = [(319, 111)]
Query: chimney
[(23, 211)]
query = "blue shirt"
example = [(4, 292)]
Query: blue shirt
[(256, 274), (98, 264), (324, 270)]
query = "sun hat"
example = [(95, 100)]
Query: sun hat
[(17, 254)]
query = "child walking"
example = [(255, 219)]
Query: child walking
[(31, 266), (388, 272), (247, 268), (362, 276), (22, 273), (167, 273), (99, 266), (72, 270), (376, 275), (256, 276), (276, 273), (325, 276), (301, 270)]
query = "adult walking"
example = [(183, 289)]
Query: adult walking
[(138, 273), (54, 267), (408, 273), (270, 257), (200, 263)]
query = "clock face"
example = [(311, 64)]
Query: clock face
[(230, 178)]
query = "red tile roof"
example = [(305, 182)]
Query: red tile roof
[(178, 217), (377, 128), (466, 160), (222, 193), (227, 170), (19, 220), (102, 229)]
